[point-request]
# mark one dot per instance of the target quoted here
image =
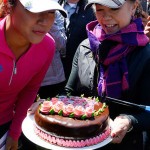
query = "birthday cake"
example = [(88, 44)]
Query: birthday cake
[(72, 121)]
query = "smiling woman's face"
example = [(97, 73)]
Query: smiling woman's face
[(112, 20)]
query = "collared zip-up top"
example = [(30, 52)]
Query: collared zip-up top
[(21, 79)]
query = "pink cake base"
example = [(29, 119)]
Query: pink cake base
[(72, 143)]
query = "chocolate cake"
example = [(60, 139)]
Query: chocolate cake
[(72, 121)]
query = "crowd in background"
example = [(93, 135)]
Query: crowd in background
[(70, 68)]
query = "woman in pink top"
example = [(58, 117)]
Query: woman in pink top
[(26, 51)]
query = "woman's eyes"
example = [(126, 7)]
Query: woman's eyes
[(51, 12), (113, 9)]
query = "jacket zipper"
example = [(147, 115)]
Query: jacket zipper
[(14, 71)]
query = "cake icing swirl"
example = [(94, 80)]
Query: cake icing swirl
[(76, 107)]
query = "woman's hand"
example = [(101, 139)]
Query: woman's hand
[(34, 106), (120, 127), (145, 18), (146, 23), (11, 144), (147, 28)]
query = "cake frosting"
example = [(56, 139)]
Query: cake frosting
[(72, 121)]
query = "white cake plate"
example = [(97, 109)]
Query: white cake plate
[(27, 128)]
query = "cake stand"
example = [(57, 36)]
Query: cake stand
[(28, 130)]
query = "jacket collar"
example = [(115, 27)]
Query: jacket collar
[(94, 42)]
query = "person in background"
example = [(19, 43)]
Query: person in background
[(26, 51), (146, 22), (75, 28), (114, 61), (3, 9), (147, 27), (54, 80), (142, 13)]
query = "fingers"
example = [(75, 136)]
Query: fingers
[(117, 139), (147, 28), (148, 18), (118, 134), (119, 129), (11, 144), (145, 18)]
